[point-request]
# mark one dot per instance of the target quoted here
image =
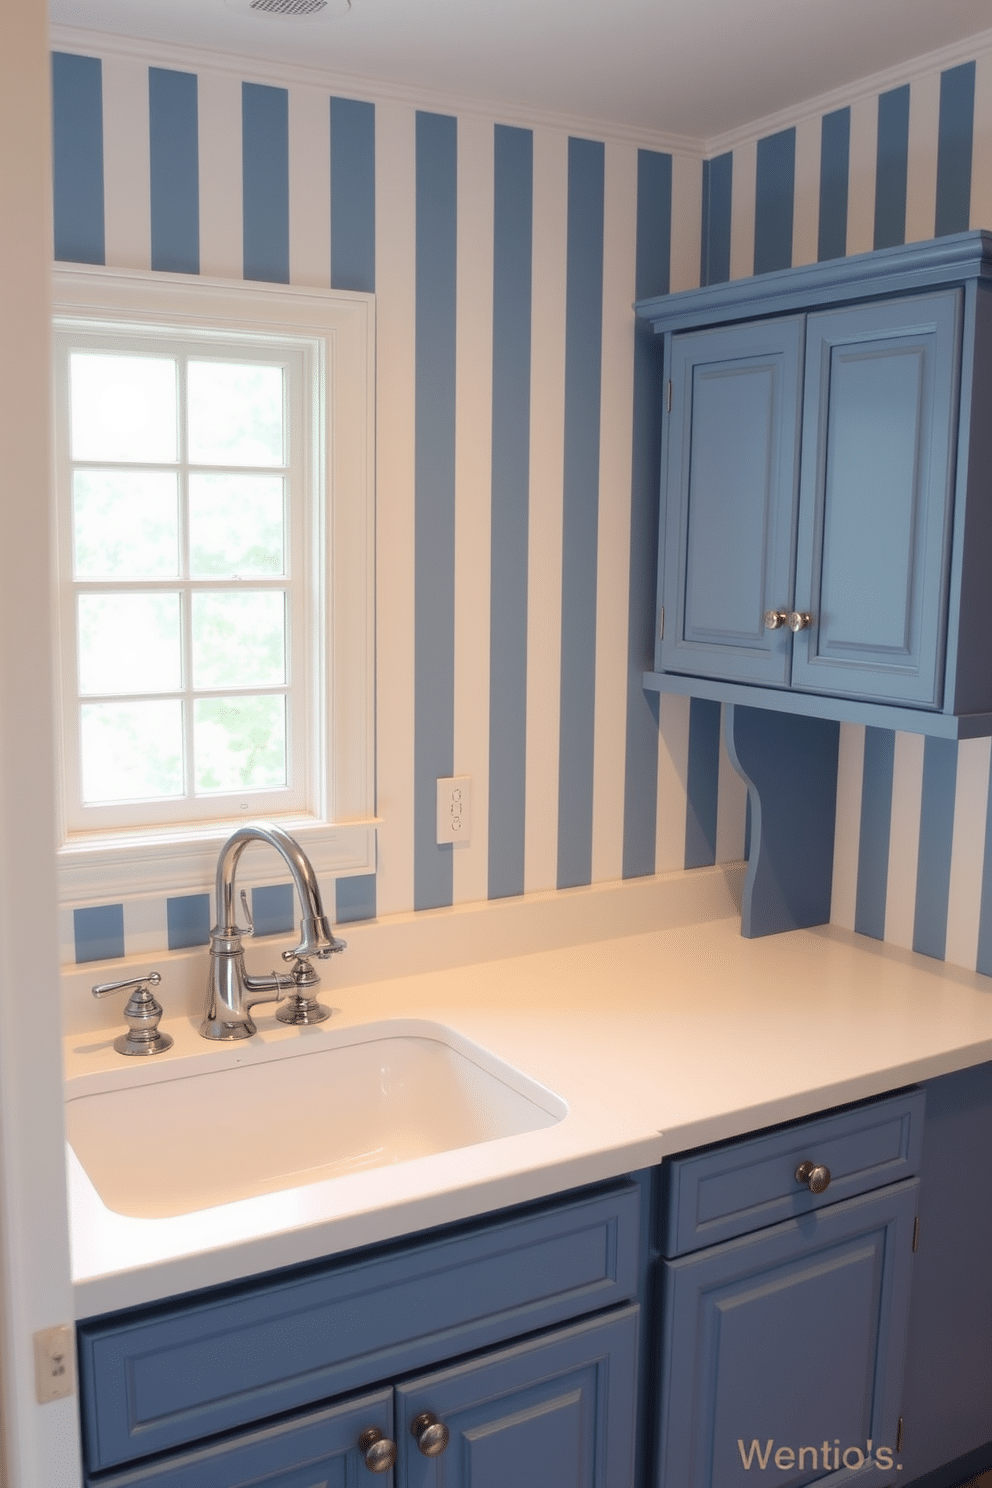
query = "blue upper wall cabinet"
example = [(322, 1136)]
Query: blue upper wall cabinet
[(826, 521)]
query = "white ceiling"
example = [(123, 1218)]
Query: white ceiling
[(684, 67)]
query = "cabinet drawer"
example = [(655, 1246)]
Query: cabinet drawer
[(746, 1185), (195, 1366)]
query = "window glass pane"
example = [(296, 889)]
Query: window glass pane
[(239, 743), (123, 407), (131, 751), (129, 643), (125, 524), (236, 525), (235, 414), (239, 638)]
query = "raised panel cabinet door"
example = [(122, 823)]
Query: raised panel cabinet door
[(553, 1412), (728, 528), (783, 1350), (316, 1450), (876, 498)]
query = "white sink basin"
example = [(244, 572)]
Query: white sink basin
[(177, 1140)]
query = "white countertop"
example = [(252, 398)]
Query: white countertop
[(657, 1042)]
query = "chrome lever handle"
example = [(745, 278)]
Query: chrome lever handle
[(104, 989), (142, 1014), (251, 922)]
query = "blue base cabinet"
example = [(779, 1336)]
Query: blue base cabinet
[(556, 1409), (519, 1333), (782, 1339)]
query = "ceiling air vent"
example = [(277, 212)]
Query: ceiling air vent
[(289, 7)]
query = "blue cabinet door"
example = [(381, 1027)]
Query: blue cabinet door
[(731, 475), (317, 1450), (784, 1349), (551, 1412), (875, 498)]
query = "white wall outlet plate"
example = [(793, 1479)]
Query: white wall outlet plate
[(54, 1363), (454, 809)]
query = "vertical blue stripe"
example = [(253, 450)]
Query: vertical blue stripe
[(434, 479), (718, 179), (955, 138), (583, 375), (77, 158), (702, 783), (355, 898), (775, 191), (187, 920), (933, 872), (873, 842), (98, 932), (174, 170), (984, 963), (512, 250), (835, 165), (273, 909), (891, 167), (653, 266), (352, 194), (265, 172)]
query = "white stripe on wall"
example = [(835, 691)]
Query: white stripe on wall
[(743, 190), (861, 175), (309, 187), (806, 210), (968, 852), (547, 402), (395, 191), (613, 552), (219, 138), (473, 488), (981, 150), (673, 772), (687, 209), (904, 839), (126, 184), (847, 844), (146, 926), (921, 179)]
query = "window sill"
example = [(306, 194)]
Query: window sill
[(122, 865)]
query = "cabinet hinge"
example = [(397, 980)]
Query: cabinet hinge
[(899, 1436), (661, 622), (668, 396), (916, 1234)]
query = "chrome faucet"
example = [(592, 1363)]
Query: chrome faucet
[(231, 992)]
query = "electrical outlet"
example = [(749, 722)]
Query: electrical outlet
[(454, 809), (54, 1363)]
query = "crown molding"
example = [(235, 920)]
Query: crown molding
[(351, 85), (868, 87)]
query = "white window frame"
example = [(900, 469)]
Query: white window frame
[(337, 824)]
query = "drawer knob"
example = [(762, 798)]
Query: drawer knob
[(379, 1452), (775, 619), (799, 620), (432, 1435), (814, 1175)]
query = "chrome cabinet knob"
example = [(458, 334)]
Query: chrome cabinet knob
[(379, 1452), (775, 619), (799, 620), (432, 1435), (814, 1175)]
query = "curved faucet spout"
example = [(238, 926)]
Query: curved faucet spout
[(316, 936), (231, 992)]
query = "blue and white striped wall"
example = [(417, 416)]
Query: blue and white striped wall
[(517, 440)]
